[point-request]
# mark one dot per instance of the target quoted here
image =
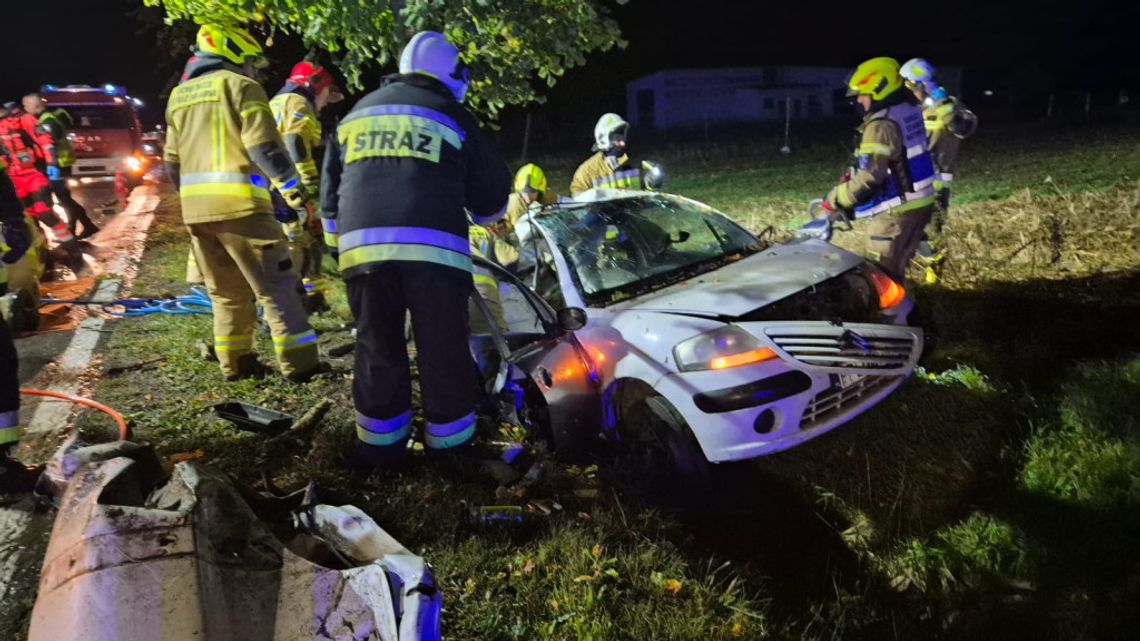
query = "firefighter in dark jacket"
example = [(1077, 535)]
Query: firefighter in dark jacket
[(406, 168), (14, 241)]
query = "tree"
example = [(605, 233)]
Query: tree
[(510, 45)]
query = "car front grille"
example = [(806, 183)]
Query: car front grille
[(839, 397), (847, 349)]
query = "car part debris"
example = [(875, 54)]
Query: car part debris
[(195, 560), (254, 418)]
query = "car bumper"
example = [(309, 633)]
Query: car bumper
[(811, 389)]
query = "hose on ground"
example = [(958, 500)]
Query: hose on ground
[(197, 302), (124, 431)]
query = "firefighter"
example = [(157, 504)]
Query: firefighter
[(947, 123), (53, 127), (406, 166), (892, 182), (222, 153), (529, 192), (610, 167), (24, 158), (14, 242), (296, 106)]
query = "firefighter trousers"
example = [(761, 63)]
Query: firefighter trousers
[(244, 262), (894, 237), (437, 298), (10, 431), (76, 214)]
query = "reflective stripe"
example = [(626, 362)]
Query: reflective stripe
[(62, 233), (250, 107), (419, 253), (233, 343), (896, 205), (375, 431), (224, 183), (628, 179), (946, 177), (486, 220), (404, 236), (9, 419), (441, 436), (915, 150), (874, 148), (10, 434), (294, 341), (485, 279), (329, 225), (410, 110), (331, 240), (249, 191)]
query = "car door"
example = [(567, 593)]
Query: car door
[(552, 372)]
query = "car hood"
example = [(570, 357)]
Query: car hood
[(748, 284)]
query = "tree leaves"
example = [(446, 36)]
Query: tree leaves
[(513, 47)]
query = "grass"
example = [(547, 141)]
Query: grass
[(994, 496)]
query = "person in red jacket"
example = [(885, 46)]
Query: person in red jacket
[(24, 158)]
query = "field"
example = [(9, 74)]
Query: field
[(995, 496)]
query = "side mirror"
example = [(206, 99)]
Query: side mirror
[(571, 319)]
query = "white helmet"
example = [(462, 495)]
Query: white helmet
[(608, 125), (430, 54), (919, 72)]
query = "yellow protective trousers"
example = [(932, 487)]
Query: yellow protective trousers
[(246, 261)]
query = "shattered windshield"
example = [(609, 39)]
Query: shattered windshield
[(621, 248)]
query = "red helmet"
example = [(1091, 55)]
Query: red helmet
[(312, 76)]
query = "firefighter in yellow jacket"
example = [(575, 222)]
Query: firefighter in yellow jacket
[(223, 152), (610, 166), (296, 106), (948, 122), (892, 182)]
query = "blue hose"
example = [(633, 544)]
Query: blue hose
[(196, 302)]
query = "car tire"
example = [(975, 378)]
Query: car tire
[(666, 457)]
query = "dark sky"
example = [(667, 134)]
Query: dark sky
[(1087, 44)]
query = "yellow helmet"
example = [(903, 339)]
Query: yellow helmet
[(232, 43), (877, 77), (530, 176)]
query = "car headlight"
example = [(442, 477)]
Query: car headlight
[(133, 164), (721, 348)]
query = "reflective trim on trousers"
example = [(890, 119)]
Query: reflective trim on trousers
[(233, 343), (328, 224), (62, 232), (946, 178), (294, 341), (330, 239), (418, 253), (441, 436), (382, 432), (10, 432)]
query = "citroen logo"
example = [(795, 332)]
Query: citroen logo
[(852, 340)]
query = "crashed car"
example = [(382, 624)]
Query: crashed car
[(677, 327)]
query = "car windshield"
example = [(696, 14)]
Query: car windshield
[(99, 117), (624, 247)]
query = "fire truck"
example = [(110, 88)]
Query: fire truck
[(106, 134)]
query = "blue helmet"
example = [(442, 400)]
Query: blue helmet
[(429, 53), (917, 72)]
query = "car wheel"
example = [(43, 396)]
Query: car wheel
[(663, 449)]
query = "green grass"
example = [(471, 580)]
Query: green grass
[(994, 496)]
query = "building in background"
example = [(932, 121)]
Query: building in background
[(691, 97)]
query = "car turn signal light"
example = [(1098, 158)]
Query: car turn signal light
[(744, 358), (890, 292)]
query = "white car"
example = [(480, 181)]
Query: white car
[(678, 327)]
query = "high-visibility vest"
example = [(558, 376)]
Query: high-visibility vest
[(52, 122), (911, 185)]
